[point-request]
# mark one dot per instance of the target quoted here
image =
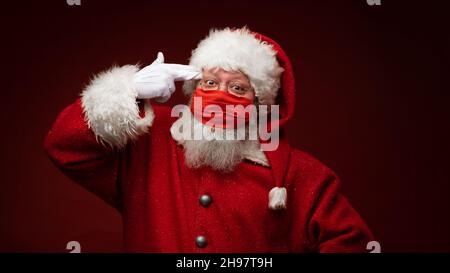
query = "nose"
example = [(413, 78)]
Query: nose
[(223, 87)]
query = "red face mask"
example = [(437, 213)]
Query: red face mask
[(213, 109)]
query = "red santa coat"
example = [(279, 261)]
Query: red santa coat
[(159, 196)]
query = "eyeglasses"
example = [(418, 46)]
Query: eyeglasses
[(236, 88)]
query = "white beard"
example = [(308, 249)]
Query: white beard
[(220, 154)]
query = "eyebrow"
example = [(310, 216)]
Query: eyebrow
[(232, 77), (209, 75)]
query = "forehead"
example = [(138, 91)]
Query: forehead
[(221, 73)]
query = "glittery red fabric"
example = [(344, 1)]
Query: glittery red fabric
[(158, 195)]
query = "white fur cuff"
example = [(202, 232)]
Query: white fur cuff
[(110, 107)]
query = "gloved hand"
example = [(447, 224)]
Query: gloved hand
[(157, 80)]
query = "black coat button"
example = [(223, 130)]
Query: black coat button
[(201, 242), (205, 200)]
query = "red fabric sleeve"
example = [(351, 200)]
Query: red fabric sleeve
[(74, 149), (334, 224)]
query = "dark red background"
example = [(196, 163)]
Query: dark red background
[(373, 96)]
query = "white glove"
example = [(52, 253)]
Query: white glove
[(157, 79)]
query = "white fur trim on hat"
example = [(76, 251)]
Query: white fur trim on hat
[(240, 50), (110, 107)]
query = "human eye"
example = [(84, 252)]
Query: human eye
[(238, 89), (210, 83)]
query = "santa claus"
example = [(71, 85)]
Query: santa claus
[(178, 193)]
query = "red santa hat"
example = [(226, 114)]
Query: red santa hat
[(240, 50), (270, 73)]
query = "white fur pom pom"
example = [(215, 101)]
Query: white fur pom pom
[(277, 198)]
